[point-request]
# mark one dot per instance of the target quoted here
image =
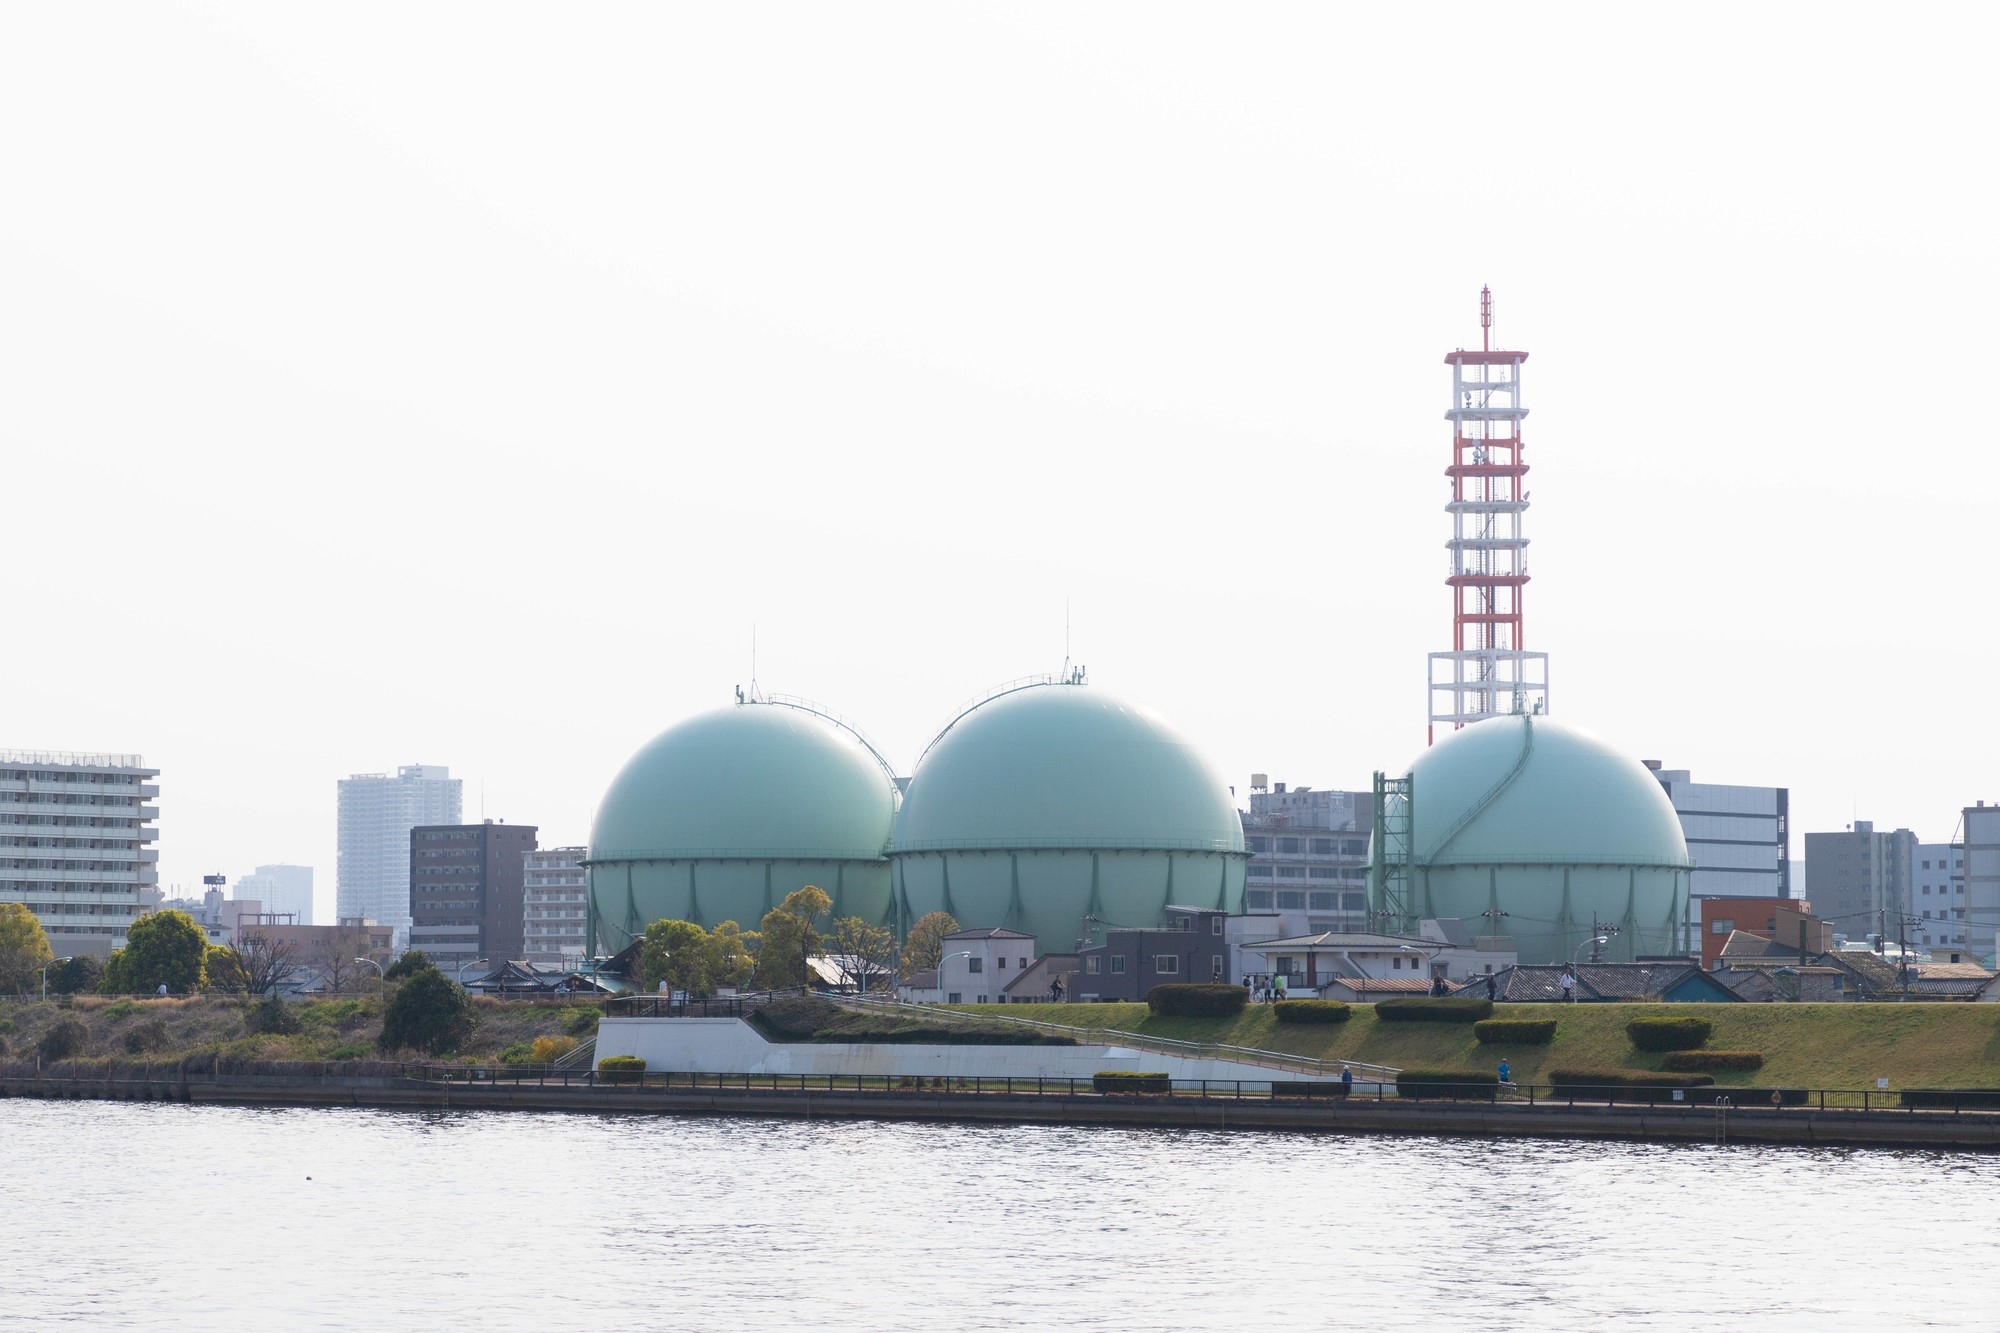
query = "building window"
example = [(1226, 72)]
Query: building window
[(1721, 926), (1291, 845), (1353, 902), (1093, 964), (954, 998), (1215, 967), (1292, 900), (1291, 872), (1257, 900), (975, 965), (1323, 847), (1166, 964), (1321, 902), (1215, 925), (1118, 962), (1259, 844)]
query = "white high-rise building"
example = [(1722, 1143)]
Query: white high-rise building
[(1937, 895), (76, 833), (282, 889), (377, 813), (1740, 838), (555, 909)]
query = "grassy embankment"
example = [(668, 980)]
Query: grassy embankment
[(1804, 1045), (166, 1031)]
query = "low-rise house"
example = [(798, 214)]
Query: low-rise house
[(977, 964), (1037, 984), (1189, 947), (1648, 983), (920, 988), (1367, 990), (1312, 963)]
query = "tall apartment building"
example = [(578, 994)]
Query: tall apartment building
[(1980, 826), (1308, 855), (555, 910), (1738, 837), (1937, 897), (284, 891), (377, 813), (1861, 879), (466, 891), (75, 843)]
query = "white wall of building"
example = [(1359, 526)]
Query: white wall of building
[(76, 844), (1739, 837), (281, 888), (1937, 895), (555, 889), (979, 964)]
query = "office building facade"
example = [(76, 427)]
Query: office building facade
[(284, 890), (377, 812), (1739, 838), (76, 844), (1980, 825), (1308, 855), (466, 897), (555, 907), (1861, 878), (1937, 895)]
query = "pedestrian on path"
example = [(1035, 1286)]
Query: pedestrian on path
[(1569, 985)]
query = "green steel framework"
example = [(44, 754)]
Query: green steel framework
[(1392, 864)]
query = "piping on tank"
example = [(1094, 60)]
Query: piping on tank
[(1472, 812), (1074, 677), (821, 711)]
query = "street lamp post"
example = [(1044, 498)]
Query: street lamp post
[(1587, 944), (384, 976), (962, 953), (45, 975)]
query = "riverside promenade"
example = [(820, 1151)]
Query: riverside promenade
[(1209, 1106)]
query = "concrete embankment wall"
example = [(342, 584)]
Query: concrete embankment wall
[(1357, 1116), (732, 1046)]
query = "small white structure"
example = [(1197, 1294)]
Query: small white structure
[(978, 964), (1313, 963)]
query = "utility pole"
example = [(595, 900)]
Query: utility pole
[(1599, 931)]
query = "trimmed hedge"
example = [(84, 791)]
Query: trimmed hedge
[(1131, 1080), (1685, 1061), (621, 1068), (1196, 1000), (1448, 1084), (809, 1018), (1323, 1088), (1313, 1011), (1669, 1034), (1453, 1010), (1515, 1031), (1949, 1099), (1627, 1085)]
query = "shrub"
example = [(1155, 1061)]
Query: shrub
[(429, 1013), (516, 1053), (1134, 1080), (1315, 1088), (1448, 1084), (118, 1009), (1515, 1031), (1452, 1010), (1197, 1000), (1626, 1085), (1952, 1099), (576, 1022), (352, 1050), (411, 963), (1668, 1034), (146, 1037), (621, 1068), (272, 1017), (1723, 1060), (64, 1040), (548, 1050), (1313, 1011), (809, 1018), (342, 1014)]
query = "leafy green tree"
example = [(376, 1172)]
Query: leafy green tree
[(161, 949), (113, 981), (222, 970), (76, 975), (429, 1013), (24, 950), (65, 1039), (790, 937), (731, 956), (678, 953), (926, 943), (412, 962), (864, 953)]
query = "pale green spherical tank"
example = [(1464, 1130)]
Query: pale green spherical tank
[(1545, 830), (1058, 802), (719, 817)]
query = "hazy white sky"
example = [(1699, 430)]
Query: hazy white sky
[(459, 384)]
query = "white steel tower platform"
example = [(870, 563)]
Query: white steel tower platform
[(1489, 669)]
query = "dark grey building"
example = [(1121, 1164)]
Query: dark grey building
[(1189, 947), (466, 888), (1860, 878)]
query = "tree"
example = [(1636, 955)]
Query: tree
[(222, 970), (334, 959), (24, 949), (76, 975), (678, 953), (789, 938), (864, 953), (926, 943), (731, 956), (161, 949), (412, 962), (269, 964), (429, 1013)]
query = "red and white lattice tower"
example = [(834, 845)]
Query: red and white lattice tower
[(1488, 669)]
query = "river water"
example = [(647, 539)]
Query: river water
[(132, 1216)]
